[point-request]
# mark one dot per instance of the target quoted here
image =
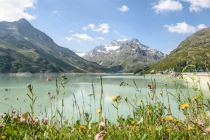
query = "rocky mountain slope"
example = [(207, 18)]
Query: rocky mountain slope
[(124, 56), (24, 48)]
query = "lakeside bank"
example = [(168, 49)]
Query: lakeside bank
[(203, 78)]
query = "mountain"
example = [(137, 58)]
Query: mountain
[(194, 52), (124, 56), (24, 48), (80, 53)]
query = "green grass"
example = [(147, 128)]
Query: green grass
[(195, 50), (180, 58), (152, 119)]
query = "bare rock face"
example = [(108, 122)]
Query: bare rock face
[(124, 56)]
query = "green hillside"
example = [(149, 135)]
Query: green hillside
[(193, 52)]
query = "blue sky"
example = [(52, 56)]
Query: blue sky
[(83, 24)]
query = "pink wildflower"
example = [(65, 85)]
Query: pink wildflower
[(14, 116), (100, 136), (22, 119), (33, 120), (207, 130)]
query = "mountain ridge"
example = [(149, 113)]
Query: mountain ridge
[(124, 56), (27, 49)]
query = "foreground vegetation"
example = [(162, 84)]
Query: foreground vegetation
[(151, 119)]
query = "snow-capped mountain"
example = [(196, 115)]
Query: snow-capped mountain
[(124, 56)]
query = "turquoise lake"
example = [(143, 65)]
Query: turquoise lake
[(80, 87)]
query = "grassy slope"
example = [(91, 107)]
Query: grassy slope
[(194, 50), (177, 61)]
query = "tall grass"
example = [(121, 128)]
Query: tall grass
[(152, 118)]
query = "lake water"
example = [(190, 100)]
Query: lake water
[(13, 90)]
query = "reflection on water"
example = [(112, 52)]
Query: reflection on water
[(13, 90)]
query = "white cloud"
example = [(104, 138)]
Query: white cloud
[(167, 5), (103, 28), (176, 5), (184, 28), (198, 5), (201, 26), (83, 37), (123, 8), (12, 10), (69, 38), (79, 37), (89, 26), (122, 39)]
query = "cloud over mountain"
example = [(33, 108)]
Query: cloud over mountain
[(103, 28), (12, 10), (184, 28)]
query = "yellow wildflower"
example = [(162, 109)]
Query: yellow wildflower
[(116, 98), (195, 98), (133, 123), (169, 118), (189, 128), (162, 119), (3, 137), (99, 110), (184, 106), (82, 127)]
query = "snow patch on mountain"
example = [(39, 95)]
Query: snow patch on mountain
[(111, 48), (127, 54)]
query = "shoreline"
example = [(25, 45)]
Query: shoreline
[(191, 77), (201, 77)]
